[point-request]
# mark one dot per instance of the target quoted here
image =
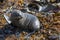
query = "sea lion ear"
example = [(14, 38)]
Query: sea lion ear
[(7, 17)]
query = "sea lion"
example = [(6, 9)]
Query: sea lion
[(22, 20)]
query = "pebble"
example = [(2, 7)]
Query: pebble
[(53, 37)]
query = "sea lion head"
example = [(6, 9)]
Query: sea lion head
[(15, 16)]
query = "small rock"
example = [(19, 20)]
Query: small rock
[(53, 37)]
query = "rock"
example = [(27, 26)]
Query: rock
[(53, 37), (1, 1)]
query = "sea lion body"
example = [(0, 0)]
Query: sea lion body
[(28, 21)]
